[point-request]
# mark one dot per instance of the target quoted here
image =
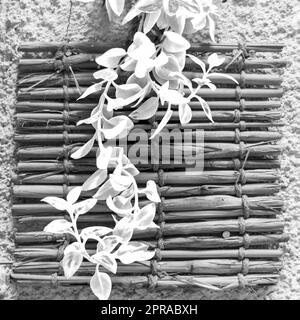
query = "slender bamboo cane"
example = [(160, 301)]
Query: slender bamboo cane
[(172, 243), (50, 254), (30, 106), (218, 283), (87, 79), (219, 93), (205, 267), (210, 150), (88, 165), (92, 47)]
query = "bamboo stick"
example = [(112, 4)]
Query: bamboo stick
[(198, 116), (218, 136), (88, 165), (205, 267), (87, 79), (44, 253), (30, 106), (219, 93), (219, 282), (255, 189), (173, 243), (210, 150), (171, 178), (82, 62), (92, 47)]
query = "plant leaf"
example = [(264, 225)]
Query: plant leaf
[(118, 126), (106, 74), (106, 260), (214, 61), (145, 216), (58, 226), (84, 206), (94, 232), (124, 229), (104, 191), (57, 203), (150, 20), (198, 62), (100, 284), (95, 180), (132, 13), (174, 42), (185, 113), (74, 194), (120, 182), (163, 122), (111, 58), (104, 157), (123, 209), (134, 251), (91, 89), (117, 6), (212, 28), (205, 108), (84, 150), (146, 110), (151, 191), (72, 259)]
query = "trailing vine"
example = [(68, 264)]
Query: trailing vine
[(154, 76)]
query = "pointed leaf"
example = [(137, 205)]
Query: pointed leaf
[(90, 90), (72, 260), (74, 194), (214, 61), (116, 206), (205, 108), (100, 284), (95, 180), (163, 122), (106, 74), (198, 62), (84, 150), (84, 206), (174, 42), (57, 203), (104, 157), (151, 191), (111, 58), (134, 251), (58, 226), (124, 229), (150, 20), (117, 6), (146, 110), (105, 191), (145, 216), (94, 232), (185, 113)]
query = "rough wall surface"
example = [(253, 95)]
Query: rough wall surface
[(241, 20)]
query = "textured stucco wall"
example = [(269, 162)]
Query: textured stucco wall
[(241, 20)]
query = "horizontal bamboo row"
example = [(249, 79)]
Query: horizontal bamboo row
[(92, 47), (247, 105), (220, 93), (87, 79), (215, 282), (198, 116), (171, 243), (210, 151), (256, 189), (54, 254), (88, 165), (268, 205), (217, 136), (205, 267)]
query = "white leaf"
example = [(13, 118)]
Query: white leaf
[(128, 64), (151, 191), (119, 182), (150, 20), (205, 108), (58, 226), (125, 91), (149, 6), (124, 229), (172, 66), (134, 251), (94, 232), (84, 206), (106, 260), (106, 74), (84, 150), (108, 243), (100, 284), (185, 113), (163, 122), (95, 180), (145, 216), (118, 206), (117, 6), (198, 62), (143, 67), (74, 194), (224, 76), (120, 127), (111, 58), (146, 110), (57, 203), (199, 22), (92, 89), (104, 157), (132, 13), (72, 259), (130, 168), (212, 28), (214, 61), (104, 191), (174, 42), (141, 48)]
